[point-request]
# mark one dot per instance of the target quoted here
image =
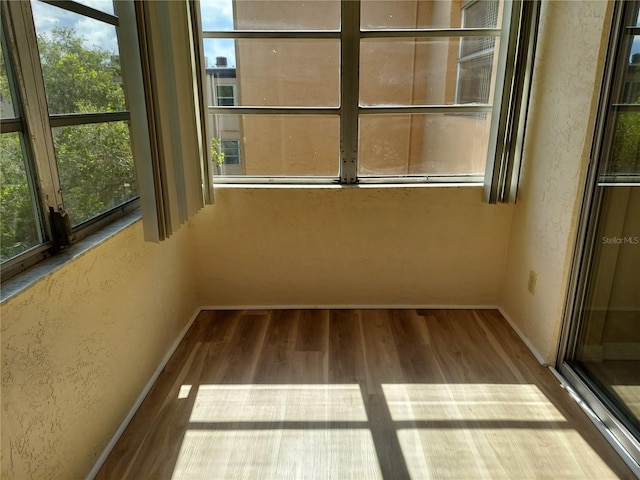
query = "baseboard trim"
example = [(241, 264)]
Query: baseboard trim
[(123, 425), (350, 307), (541, 360)]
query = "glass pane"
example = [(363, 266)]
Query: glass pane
[(96, 168), (625, 158), (481, 14), (20, 224), (270, 15), (6, 102), (277, 145), (631, 93), (278, 72), (424, 144), (80, 62), (401, 14), (230, 149), (609, 339), (105, 6), (424, 71)]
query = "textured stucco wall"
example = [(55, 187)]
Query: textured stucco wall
[(351, 246), (563, 102), (79, 346)]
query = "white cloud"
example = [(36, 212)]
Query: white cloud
[(93, 32), (103, 5), (216, 14)]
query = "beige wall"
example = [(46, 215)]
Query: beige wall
[(79, 346), (563, 102), (351, 246)]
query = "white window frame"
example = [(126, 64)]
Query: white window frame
[(218, 97), (517, 22), (36, 124)]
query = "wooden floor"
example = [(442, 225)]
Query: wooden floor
[(358, 394)]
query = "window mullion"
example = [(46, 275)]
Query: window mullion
[(349, 90), (23, 47)]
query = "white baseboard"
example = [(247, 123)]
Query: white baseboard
[(123, 425), (524, 338), (349, 307)]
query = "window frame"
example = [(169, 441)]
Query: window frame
[(36, 124), (484, 54), (219, 97), (236, 143), (350, 110)]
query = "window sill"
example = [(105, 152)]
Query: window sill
[(256, 185), (24, 280)]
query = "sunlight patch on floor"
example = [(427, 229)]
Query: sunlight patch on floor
[(444, 431), (500, 454), (267, 403), (483, 431), (432, 402), (273, 454)]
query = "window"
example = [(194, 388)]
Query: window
[(225, 96), (63, 177), (361, 91), (19, 207), (231, 151), (476, 55)]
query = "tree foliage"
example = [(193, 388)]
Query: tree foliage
[(625, 158), (95, 163)]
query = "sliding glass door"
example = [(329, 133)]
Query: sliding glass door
[(603, 339)]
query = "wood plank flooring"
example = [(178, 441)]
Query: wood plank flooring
[(358, 394)]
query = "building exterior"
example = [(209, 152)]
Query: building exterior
[(398, 71), (222, 90)]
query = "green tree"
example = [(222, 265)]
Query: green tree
[(95, 163), (79, 79), (625, 158)]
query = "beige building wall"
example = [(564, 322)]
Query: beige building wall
[(304, 72)]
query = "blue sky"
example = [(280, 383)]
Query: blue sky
[(218, 15), (94, 33)]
